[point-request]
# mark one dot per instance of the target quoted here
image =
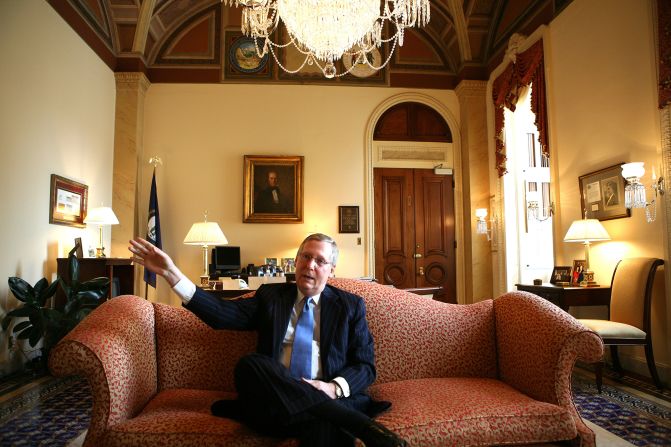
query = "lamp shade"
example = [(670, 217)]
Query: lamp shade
[(205, 233), (586, 230), (481, 213), (633, 170), (101, 216)]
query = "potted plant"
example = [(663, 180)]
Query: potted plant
[(44, 322)]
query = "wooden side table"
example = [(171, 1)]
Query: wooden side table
[(565, 297)]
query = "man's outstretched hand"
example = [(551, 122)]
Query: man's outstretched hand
[(156, 260)]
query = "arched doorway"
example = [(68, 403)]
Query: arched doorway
[(414, 207)]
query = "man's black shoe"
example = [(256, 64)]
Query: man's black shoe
[(375, 434), (227, 409)]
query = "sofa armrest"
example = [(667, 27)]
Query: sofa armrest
[(537, 347), (114, 348)]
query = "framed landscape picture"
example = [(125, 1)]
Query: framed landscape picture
[(272, 189), (602, 194), (68, 202)]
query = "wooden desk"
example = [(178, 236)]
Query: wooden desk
[(565, 297)]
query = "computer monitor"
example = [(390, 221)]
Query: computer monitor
[(225, 259)]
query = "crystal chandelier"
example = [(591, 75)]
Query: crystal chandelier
[(326, 30)]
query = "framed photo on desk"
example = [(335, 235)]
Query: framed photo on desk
[(561, 276)]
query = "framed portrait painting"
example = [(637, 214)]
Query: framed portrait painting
[(272, 189), (68, 202), (602, 194)]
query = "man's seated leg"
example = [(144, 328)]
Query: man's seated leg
[(268, 393)]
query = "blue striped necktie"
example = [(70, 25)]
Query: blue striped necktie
[(301, 352)]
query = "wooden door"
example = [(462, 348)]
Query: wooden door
[(414, 230)]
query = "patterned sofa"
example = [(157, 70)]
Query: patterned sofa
[(496, 372)]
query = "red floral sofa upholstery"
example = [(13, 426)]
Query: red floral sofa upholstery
[(496, 372)]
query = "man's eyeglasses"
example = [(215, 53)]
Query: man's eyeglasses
[(321, 262)]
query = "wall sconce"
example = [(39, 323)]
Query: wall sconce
[(635, 191), (541, 214), (481, 226)]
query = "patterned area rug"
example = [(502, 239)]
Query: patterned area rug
[(634, 418), (58, 410), (50, 414)]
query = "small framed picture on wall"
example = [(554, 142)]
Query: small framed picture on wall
[(348, 219)]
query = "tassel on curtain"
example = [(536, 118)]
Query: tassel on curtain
[(528, 68)]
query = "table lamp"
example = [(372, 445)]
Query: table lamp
[(101, 216), (586, 231), (205, 234)]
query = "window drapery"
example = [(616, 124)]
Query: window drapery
[(664, 39), (527, 69)]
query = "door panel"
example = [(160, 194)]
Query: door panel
[(414, 230), (434, 231), (393, 227)]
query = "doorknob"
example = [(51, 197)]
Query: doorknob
[(421, 271), (417, 255)]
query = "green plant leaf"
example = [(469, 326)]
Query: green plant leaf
[(74, 268), (95, 283), (25, 333), (91, 295), (20, 288), (47, 293), (65, 287), (34, 337), (6, 321), (23, 311), (40, 286), (21, 326)]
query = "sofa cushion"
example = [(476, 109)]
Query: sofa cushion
[(469, 411), (190, 354), (181, 417), (416, 337)]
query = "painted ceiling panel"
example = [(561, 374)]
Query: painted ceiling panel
[(185, 33)]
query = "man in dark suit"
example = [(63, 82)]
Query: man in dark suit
[(270, 199), (314, 356)]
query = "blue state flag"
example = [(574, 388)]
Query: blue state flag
[(153, 228)]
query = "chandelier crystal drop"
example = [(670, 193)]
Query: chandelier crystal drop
[(326, 30)]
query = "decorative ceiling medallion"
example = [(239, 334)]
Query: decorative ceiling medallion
[(244, 58)]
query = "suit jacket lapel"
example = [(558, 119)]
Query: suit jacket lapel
[(331, 308), (281, 315)]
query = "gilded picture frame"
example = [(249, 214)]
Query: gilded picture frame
[(272, 189), (602, 194), (68, 201)]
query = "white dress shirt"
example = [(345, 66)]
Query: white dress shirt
[(185, 289)]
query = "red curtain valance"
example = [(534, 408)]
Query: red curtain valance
[(664, 30), (528, 68)]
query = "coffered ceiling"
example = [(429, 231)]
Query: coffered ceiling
[(194, 40)]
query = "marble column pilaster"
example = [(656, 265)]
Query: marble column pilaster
[(475, 167), (128, 150)]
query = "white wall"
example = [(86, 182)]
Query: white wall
[(56, 116), (603, 111), (202, 133)]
